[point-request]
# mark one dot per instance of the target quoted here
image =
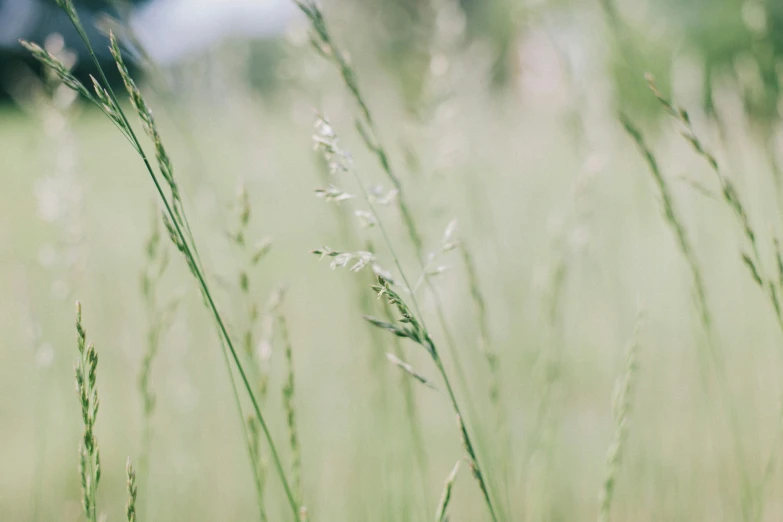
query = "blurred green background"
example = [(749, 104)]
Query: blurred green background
[(501, 114)]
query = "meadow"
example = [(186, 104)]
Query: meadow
[(604, 304)]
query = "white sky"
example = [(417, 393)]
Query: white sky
[(172, 29)]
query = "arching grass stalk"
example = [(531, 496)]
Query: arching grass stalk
[(712, 356), (412, 412), (412, 328), (338, 199), (174, 214), (675, 223), (411, 325), (325, 45), (770, 285)]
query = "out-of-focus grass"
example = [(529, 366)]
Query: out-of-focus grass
[(508, 192)]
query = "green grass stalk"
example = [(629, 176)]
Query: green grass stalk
[(623, 404), (415, 327), (175, 219), (323, 42), (89, 455), (771, 286), (441, 514), (713, 358)]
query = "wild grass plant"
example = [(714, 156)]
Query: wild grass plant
[(423, 326), (356, 227), (174, 216), (89, 454), (412, 323), (86, 370), (770, 285), (323, 42), (712, 360)]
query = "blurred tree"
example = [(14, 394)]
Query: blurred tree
[(35, 20), (401, 32), (736, 38), (498, 22), (636, 51)]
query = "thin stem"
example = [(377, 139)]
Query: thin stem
[(256, 475), (418, 455), (469, 446), (713, 357), (188, 251), (464, 429), (322, 39)]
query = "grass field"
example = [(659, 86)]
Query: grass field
[(573, 256)]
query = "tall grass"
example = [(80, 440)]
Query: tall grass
[(415, 373), (90, 470), (341, 202), (410, 325), (622, 406), (174, 216), (771, 285), (324, 43), (711, 358), (367, 127)]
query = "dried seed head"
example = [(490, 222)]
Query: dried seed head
[(357, 260), (366, 219), (333, 194), (377, 196), (54, 64), (326, 141)]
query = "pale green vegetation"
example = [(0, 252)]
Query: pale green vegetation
[(525, 318)]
